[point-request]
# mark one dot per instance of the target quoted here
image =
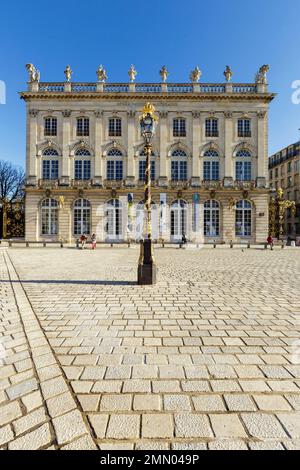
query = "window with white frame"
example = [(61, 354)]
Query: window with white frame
[(82, 164), (115, 127), (50, 164), (179, 165), (83, 126), (82, 217), (178, 219), (211, 218), (244, 127), (50, 126), (243, 218), (243, 166), (114, 164), (211, 127), (49, 217), (179, 127), (211, 165)]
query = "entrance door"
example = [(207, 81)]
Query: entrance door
[(113, 223), (178, 219)]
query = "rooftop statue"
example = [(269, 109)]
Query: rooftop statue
[(132, 73), (68, 73), (101, 74), (261, 76), (195, 75), (164, 73), (33, 73), (228, 73)]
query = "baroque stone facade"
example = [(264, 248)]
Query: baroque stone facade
[(85, 162), (284, 168)]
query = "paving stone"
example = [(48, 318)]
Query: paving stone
[(238, 402), (147, 402), (291, 423), (60, 404), (83, 443), (32, 400), (157, 426), (116, 403), (69, 426), (21, 389), (189, 446), (192, 425), (263, 426), (6, 435), (123, 426), (99, 424), (227, 445), (9, 412), (29, 421), (177, 403), (36, 439), (227, 426), (266, 446), (152, 445), (271, 403)]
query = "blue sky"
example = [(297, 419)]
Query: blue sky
[(179, 34)]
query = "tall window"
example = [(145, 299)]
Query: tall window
[(179, 165), (82, 217), (82, 165), (211, 166), (83, 126), (178, 219), (179, 129), (113, 224), (50, 164), (211, 127), (243, 166), (114, 166), (243, 217), (244, 128), (50, 126), (115, 127), (211, 218), (49, 217)]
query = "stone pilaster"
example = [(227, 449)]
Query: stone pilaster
[(66, 129), (228, 137), (163, 170), (31, 141), (98, 140), (196, 145)]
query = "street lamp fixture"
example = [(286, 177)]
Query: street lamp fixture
[(277, 208), (147, 266)]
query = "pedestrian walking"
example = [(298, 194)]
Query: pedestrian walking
[(94, 241), (270, 241), (83, 240)]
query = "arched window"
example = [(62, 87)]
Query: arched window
[(243, 165), (243, 218), (113, 222), (179, 165), (50, 164), (82, 164), (82, 217), (178, 219), (114, 165), (211, 218), (49, 217), (142, 166), (211, 165)]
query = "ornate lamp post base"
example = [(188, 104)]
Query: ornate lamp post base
[(147, 266)]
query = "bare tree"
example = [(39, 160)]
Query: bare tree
[(12, 180)]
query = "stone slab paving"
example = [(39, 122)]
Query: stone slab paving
[(209, 358)]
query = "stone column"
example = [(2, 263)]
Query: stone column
[(228, 136), (262, 149), (66, 128), (163, 171), (196, 170), (130, 177), (98, 175)]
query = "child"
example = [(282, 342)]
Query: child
[(94, 241)]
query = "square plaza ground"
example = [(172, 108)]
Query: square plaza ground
[(208, 358)]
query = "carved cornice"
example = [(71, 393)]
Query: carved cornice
[(33, 112), (228, 114), (66, 113), (196, 114), (98, 114)]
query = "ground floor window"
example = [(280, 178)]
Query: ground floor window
[(211, 218), (82, 217), (113, 224), (243, 218), (49, 217), (50, 169), (178, 219)]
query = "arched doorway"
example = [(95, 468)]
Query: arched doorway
[(178, 219), (113, 220)]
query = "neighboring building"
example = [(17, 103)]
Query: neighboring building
[(284, 169), (85, 162)]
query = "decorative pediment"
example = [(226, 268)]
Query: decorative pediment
[(48, 144), (81, 144), (114, 144), (181, 146), (211, 146)]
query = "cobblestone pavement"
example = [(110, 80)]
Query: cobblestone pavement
[(209, 358)]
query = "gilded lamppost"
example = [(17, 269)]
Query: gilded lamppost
[(277, 208), (147, 266)]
